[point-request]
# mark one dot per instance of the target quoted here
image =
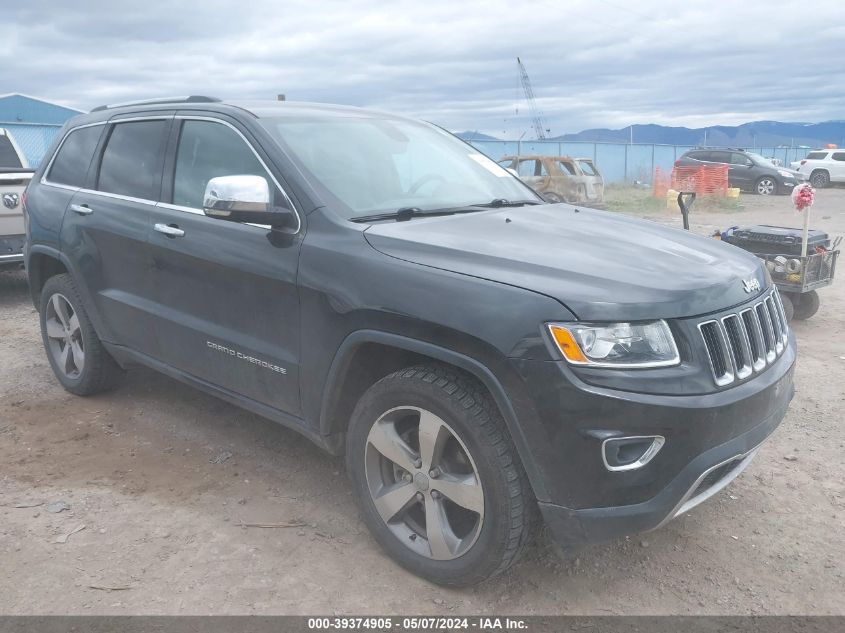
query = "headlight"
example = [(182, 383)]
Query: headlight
[(620, 345), (786, 174)]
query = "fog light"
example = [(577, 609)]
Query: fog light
[(630, 453)]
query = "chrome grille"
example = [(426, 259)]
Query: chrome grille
[(745, 342)]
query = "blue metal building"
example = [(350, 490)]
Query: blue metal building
[(33, 122)]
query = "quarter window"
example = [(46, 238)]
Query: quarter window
[(71, 164), (131, 163), (208, 150), (816, 155), (838, 156)]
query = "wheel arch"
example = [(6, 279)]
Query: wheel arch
[(359, 351), (42, 263)]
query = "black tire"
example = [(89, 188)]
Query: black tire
[(99, 371), (508, 509), (807, 306), (820, 179), (788, 306), (766, 186)]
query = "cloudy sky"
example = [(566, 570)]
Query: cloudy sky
[(593, 63)]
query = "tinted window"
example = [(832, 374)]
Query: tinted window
[(817, 155), (740, 159), (207, 150), (705, 156), (74, 157), (720, 157), (838, 156), (132, 159), (8, 155)]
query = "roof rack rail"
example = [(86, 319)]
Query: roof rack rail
[(189, 99)]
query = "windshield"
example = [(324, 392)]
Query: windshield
[(371, 165)]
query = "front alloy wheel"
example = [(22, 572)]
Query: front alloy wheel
[(766, 186), (436, 476), (424, 483)]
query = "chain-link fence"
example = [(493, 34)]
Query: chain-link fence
[(620, 162), (33, 139)]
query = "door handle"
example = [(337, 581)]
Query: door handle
[(81, 209), (169, 231)]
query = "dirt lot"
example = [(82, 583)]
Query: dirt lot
[(139, 469)]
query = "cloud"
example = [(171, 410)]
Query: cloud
[(592, 63)]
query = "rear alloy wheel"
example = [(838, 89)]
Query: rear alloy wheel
[(820, 179), (437, 477), (77, 356), (766, 186)]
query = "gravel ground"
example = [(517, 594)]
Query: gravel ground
[(162, 476)]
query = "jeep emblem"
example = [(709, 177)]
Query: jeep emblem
[(10, 200), (751, 285)]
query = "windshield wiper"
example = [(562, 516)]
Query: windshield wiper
[(497, 203), (406, 213)]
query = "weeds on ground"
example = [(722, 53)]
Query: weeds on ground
[(630, 199)]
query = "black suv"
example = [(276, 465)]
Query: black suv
[(381, 287), (746, 170)]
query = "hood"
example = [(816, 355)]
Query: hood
[(602, 266)]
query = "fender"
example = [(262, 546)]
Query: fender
[(470, 365), (89, 306)]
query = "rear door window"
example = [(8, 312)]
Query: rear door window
[(720, 157), (131, 164), (567, 167), (701, 155), (840, 156), (527, 168), (70, 166), (740, 159)]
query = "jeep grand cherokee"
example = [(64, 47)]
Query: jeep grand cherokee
[(381, 287)]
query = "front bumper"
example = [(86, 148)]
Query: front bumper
[(706, 475), (709, 439)]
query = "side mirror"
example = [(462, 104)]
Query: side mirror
[(243, 198)]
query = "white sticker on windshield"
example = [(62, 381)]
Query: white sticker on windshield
[(489, 165)]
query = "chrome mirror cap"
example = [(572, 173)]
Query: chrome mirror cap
[(226, 195)]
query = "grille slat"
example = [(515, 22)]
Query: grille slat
[(743, 343)]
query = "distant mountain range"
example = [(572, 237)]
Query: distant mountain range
[(754, 134)]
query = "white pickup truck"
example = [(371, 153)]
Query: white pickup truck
[(15, 175)]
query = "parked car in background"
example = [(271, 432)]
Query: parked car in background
[(15, 175), (559, 178), (822, 167), (746, 170)]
